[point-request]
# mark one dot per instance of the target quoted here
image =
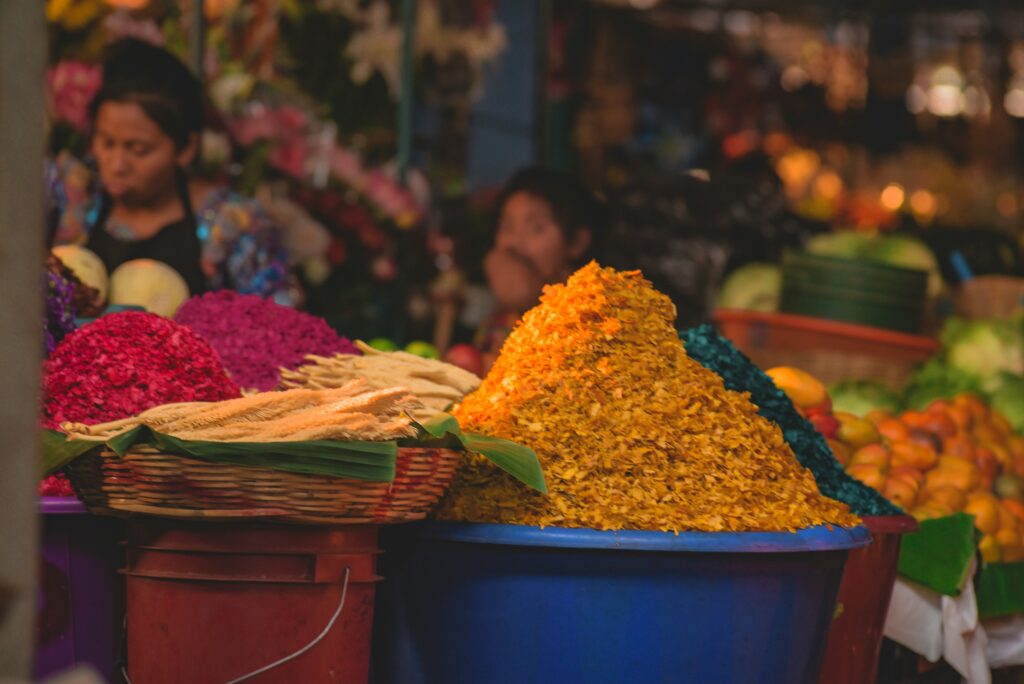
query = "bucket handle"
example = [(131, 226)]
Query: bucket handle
[(311, 644), (296, 654)]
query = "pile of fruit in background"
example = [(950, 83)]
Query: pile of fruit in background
[(632, 433), (956, 455)]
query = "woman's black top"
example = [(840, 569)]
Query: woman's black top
[(176, 244)]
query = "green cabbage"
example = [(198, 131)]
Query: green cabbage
[(754, 287), (986, 349), (860, 397)]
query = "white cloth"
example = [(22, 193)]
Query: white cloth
[(937, 626), (1005, 641)]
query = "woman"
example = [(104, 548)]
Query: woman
[(146, 123), (548, 226)]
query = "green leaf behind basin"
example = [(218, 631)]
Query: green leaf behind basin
[(515, 459)]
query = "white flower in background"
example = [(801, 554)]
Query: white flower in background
[(230, 88), (215, 149), (376, 48), (120, 24)]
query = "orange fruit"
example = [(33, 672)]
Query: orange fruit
[(894, 430), (958, 445), (949, 498), (1007, 520), (914, 419), (939, 406), (1008, 538), (1016, 446), (802, 388), (961, 417), (909, 473), (986, 514), (1014, 507), (989, 548), (877, 416), (900, 492), (973, 404), (868, 473), (968, 470), (1000, 424), (985, 433), (916, 455), (929, 511), (875, 454), (940, 425)]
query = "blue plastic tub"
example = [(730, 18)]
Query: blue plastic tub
[(507, 603)]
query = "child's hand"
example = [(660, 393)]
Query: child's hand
[(515, 282)]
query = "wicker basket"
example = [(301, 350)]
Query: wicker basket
[(153, 482), (990, 296), (829, 350)]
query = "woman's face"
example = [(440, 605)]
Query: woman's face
[(136, 159), (528, 229)]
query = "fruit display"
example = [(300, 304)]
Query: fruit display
[(150, 284), (984, 357), (86, 266), (436, 384), (632, 432), (956, 455)]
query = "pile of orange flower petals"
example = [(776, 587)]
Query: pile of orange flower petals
[(632, 433)]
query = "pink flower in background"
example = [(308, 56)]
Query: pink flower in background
[(290, 157), (346, 166), (256, 124), (71, 87), (290, 120)]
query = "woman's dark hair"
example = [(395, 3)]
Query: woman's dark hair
[(573, 206), (156, 81)]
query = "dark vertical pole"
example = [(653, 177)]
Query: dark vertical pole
[(405, 111), (22, 230), (405, 102), (197, 42), (542, 124)]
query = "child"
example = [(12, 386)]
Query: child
[(548, 225)]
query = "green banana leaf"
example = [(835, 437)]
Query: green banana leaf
[(939, 554), (1000, 589), (369, 461), (515, 459)]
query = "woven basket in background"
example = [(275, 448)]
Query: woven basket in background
[(990, 296), (153, 482)]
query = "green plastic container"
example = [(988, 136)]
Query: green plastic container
[(855, 292)]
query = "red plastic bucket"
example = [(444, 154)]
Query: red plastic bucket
[(855, 640), (218, 603)]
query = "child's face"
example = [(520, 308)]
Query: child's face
[(528, 229)]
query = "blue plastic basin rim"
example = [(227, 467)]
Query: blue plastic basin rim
[(819, 538)]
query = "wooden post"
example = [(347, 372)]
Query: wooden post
[(22, 230)]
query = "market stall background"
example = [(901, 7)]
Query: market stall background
[(873, 140)]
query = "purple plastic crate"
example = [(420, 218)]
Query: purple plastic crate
[(81, 594)]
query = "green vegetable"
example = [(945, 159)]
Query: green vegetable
[(986, 349), (860, 397), (754, 287), (937, 380), (1009, 400)]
